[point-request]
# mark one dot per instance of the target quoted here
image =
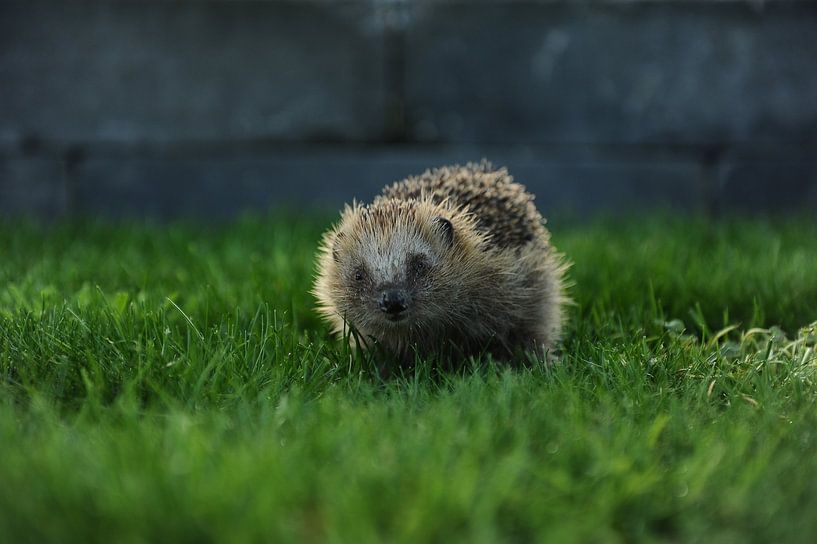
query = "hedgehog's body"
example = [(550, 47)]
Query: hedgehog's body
[(455, 261)]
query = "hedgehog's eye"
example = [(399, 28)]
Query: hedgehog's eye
[(360, 274), (418, 265)]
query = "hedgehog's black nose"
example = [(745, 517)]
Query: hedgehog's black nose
[(392, 302)]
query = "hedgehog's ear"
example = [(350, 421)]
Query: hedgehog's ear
[(336, 247), (445, 228)]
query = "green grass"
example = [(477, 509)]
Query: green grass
[(174, 384)]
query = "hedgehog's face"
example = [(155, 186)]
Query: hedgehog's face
[(388, 270)]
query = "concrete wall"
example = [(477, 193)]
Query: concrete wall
[(214, 107)]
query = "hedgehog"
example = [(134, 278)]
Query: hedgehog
[(454, 262)]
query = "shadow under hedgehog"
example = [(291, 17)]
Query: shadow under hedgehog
[(456, 261)]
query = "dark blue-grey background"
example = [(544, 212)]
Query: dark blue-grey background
[(210, 108)]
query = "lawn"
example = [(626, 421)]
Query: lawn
[(172, 383)]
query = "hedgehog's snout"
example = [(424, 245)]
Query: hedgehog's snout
[(393, 303)]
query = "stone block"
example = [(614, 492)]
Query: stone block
[(221, 186), (770, 184), (33, 187), (190, 72), (649, 73)]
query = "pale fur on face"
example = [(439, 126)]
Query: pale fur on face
[(392, 245)]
